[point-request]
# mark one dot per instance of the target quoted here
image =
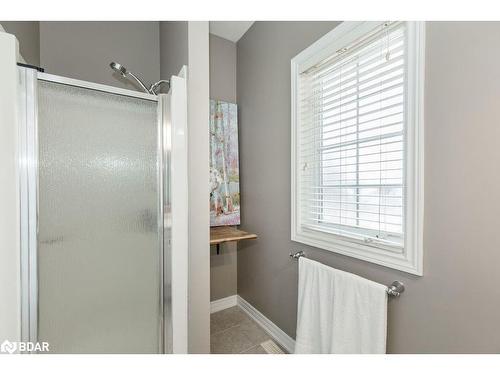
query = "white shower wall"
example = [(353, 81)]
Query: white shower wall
[(10, 316)]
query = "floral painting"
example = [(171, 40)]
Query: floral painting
[(224, 164)]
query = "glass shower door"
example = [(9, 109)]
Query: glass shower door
[(99, 247)]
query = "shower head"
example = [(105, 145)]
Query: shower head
[(120, 69)]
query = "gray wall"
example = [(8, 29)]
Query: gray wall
[(222, 69), (28, 36), (223, 269), (75, 49), (454, 307), (173, 47), (83, 50)]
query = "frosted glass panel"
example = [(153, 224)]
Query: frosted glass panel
[(98, 242)]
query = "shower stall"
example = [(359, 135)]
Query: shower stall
[(103, 202)]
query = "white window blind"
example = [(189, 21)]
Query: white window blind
[(351, 140)]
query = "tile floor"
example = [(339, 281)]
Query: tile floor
[(234, 332)]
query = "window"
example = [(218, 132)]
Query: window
[(357, 143)]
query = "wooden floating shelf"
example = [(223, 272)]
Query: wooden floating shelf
[(220, 235)]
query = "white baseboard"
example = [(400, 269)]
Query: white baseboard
[(272, 329), (223, 303)]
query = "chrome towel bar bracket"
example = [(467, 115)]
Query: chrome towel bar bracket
[(395, 289), (297, 255)]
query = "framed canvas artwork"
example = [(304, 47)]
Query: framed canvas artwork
[(224, 164)]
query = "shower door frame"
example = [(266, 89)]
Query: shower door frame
[(28, 188)]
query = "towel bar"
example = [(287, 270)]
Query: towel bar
[(395, 289)]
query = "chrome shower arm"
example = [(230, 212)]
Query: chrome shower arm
[(140, 82), (155, 86)]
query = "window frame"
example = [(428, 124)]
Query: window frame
[(410, 258)]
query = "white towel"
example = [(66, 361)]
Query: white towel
[(339, 312)]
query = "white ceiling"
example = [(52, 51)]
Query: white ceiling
[(230, 30)]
